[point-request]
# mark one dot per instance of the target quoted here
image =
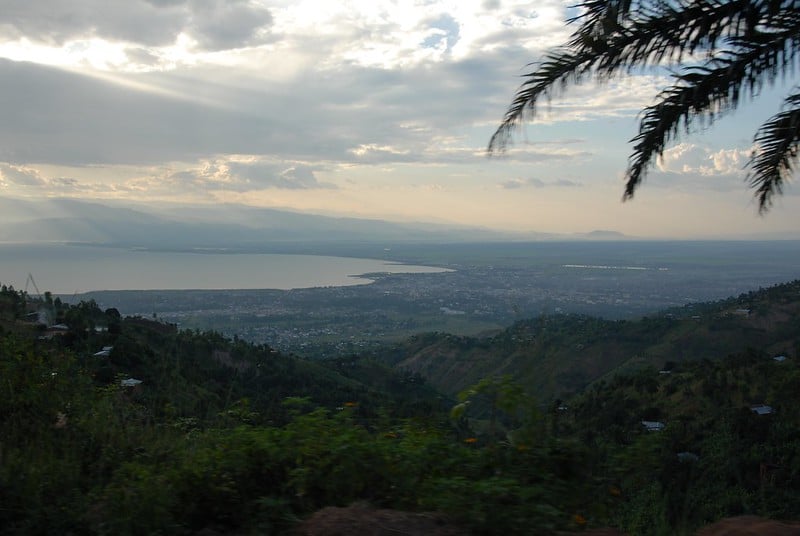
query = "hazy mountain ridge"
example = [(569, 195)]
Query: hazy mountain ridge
[(219, 226), (225, 225)]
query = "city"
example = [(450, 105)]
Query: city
[(484, 292)]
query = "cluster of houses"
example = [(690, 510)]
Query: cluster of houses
[(127, 382), (758, 409)]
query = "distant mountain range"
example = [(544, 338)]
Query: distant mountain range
[(224, 226)]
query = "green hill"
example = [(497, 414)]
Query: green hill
[(131, 426), (723, 439), (559, 355)]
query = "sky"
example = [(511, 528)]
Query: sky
[(376, 109)]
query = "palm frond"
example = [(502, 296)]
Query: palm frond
[(621, 44), (556, 70), (664, 30), (774, 160), (724, 50), (704, 93)]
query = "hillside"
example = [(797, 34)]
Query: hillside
[(184, 371), (559, 355), (131, 426), (678, 449)]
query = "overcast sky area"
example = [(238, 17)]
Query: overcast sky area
[(363, 108)]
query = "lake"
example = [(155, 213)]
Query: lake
[(67, 269)]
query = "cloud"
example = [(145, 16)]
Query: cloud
[(17, 178), (616, 98), (227, 24), (687, 158), (443, 33), (391, 35), (262, 175), (374, 153), (309, 96), (236, 174), (65, 183), (225, 99), (61, 117), (513, 184), (20, 175), (692, 167), (300, 178), (212, 24), (203, 180), (142, 56)]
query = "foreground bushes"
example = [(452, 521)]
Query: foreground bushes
[(251, 479), (78, 457)]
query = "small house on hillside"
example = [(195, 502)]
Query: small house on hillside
[(105, 352), (779, 358), (40, 317), (130, 382), (761, 409), (653, 426), (56, 330)]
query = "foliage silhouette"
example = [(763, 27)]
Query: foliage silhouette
[(721, 50)]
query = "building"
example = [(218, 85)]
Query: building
[(761, 409), (653, 426), (105, 352), (130, 382)]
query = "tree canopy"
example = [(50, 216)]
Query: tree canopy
[(719, 52)]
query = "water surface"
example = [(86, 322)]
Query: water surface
[(66, 269)]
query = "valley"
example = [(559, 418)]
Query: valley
[(490, 286)]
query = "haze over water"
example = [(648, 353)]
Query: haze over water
[(63, 269)]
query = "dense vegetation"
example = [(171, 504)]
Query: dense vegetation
[(228, 436), (560, 355)]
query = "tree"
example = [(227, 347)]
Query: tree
[(721, 51)]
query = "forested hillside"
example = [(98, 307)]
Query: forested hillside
[(709, 439), (559, 355), (130, 426)]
